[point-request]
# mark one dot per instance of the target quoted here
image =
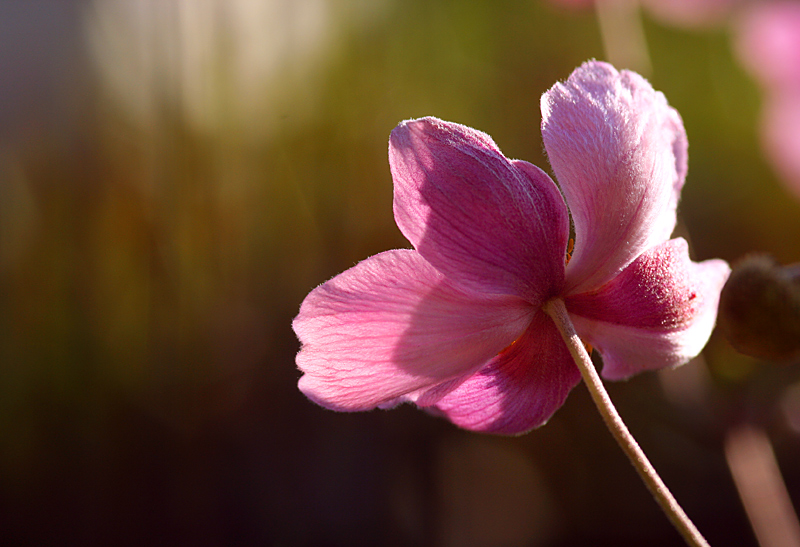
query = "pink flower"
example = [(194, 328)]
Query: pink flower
[(456, 325)]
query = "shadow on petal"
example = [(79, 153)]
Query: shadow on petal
[(519, 389), (488, 223)]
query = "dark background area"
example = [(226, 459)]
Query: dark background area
[(176, 176)]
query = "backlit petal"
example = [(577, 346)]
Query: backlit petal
[(659, 312), (518, 390), (495, 225), (619, 153), (393, 325)]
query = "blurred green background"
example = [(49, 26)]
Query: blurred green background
[(175, 176)]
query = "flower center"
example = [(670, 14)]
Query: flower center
[(570, 246), (508, 347)]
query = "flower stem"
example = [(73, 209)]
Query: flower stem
[(556, 309)]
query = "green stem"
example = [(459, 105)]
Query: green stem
[(556, 309)]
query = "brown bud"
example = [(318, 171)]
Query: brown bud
[(759, 309)]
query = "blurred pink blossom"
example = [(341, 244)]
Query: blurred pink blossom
[(456, 324), (768, 43)]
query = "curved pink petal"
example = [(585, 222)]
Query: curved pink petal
[(393, 325), (495, 225), (619, 153), (658, 312), (519, 389)]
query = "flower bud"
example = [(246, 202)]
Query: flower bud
[(759, 309)]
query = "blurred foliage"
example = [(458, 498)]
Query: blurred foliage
[(165, 206)]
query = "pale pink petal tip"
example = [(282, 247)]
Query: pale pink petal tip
[(619, 152), (520, 389)]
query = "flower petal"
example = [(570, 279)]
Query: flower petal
[(658, 312), (392, 325), (619, 153), (519, 389), (495, 225)]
